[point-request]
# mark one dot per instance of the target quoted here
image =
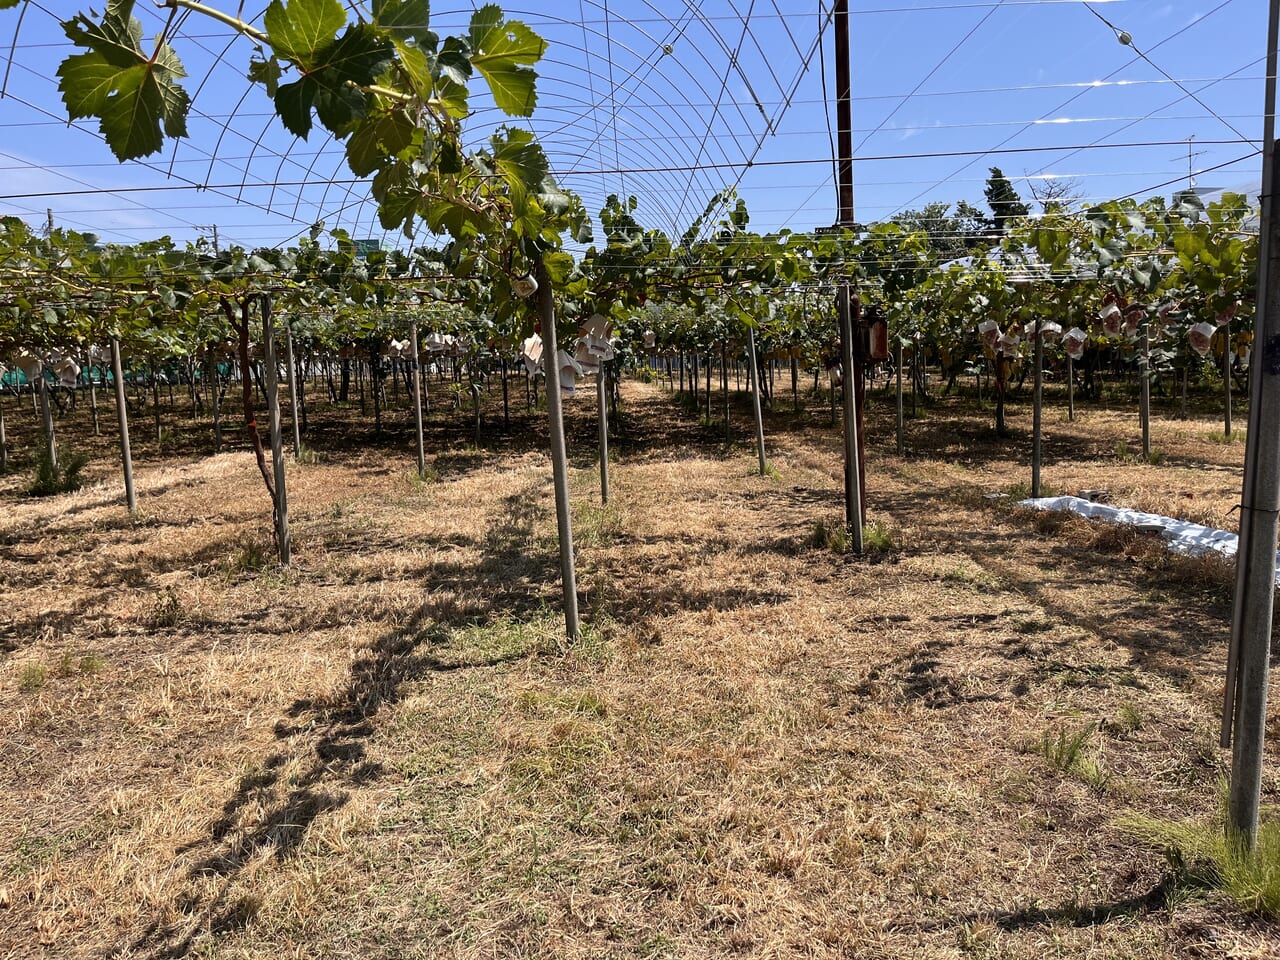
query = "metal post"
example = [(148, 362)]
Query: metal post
[(897, 360), (1144, 391), (1246, 694), (844, 114), (46, 414), (852, 482), (1226, 377), (417, 399), (270, 378), (1036, 413), (603, 417), (215, 395), (122, 417), (1071, 388), (559, 456), (755, 397), (294, 403)]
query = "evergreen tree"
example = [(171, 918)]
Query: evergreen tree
[(1003, 200)]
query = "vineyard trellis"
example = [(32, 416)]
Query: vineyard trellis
[(1154, 286)]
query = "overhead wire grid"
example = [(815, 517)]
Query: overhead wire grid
[(672, 101)]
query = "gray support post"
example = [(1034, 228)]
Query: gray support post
[(602, 401), (270, 378), (46, 415), (1246, 694), (897, 362), (1226, 377), (93, 391), (1071, 389), (754, 368), (1144, 391), (559, 456), (417, 399), (293, 391), (122, 417), (215, 395)]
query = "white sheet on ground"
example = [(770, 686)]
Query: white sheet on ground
[(1184, 536)]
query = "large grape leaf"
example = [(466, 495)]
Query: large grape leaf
[(137, 99), (504, 53), (302, 30)]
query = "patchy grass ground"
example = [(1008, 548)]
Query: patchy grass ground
[(761, 747)]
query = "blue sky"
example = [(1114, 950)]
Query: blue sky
[(672, 100)]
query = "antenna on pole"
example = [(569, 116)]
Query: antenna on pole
[(1191, 169)]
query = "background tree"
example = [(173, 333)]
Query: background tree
[(1004, 201)]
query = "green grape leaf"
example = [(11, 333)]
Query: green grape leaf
[(86, 81), (293, 105), (405, 19), (504, 53), (266, 72), (453, 96), (414, 63), (118, 38), (302, 30), (330, 85), (137, 100), (375, 140), (397, 194), (519, 158)]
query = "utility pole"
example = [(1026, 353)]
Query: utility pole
[(850, 350), (1245, 704), (48, 213), (214, 228)]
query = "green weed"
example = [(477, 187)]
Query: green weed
[(827, 536), (877, 537), (1200, 853), (32, 677), (1068, 753), (248, 556), (596, 525), (308, 455), (64, 477), (1129, 455)]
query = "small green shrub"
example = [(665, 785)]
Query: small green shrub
[(1128, 454), (62, 477), (1022, 491)]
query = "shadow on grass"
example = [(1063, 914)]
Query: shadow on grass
[(329, 735), (1074, 914)]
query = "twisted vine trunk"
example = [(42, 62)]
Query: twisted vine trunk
[(241, 327)]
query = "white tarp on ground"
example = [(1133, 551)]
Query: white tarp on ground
[(1183, 536)]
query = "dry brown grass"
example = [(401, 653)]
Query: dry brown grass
[(759, 748)]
